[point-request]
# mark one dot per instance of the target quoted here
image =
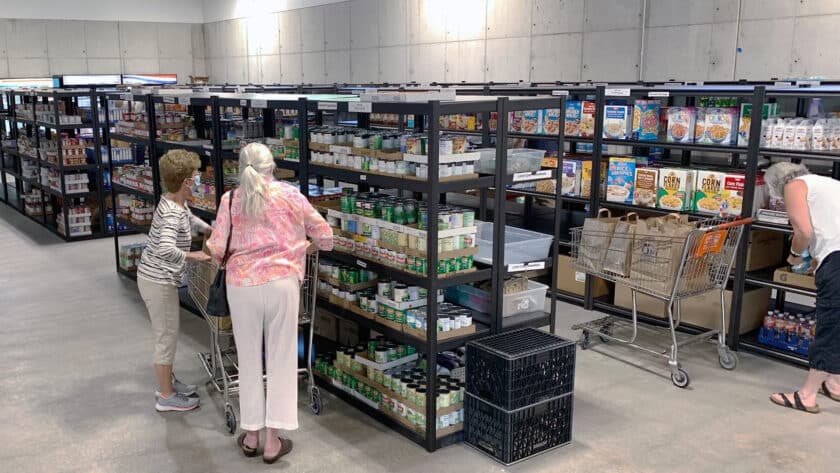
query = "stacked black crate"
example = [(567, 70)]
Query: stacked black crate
[(519, 399)]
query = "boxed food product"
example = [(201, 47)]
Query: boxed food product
[(708, 192), (720, 126), (646, 120), (699, 124), (531, 121), (676, 189), (681, 124), (732, 196), (777, 134), (645, 188), (768, 110), (570, 179), (586, 179), (580, 118), (821, 135), (835, 134), (617, 122), (802, 135), (789, 133), (551, 121), (515, 122), (786, 276), (621, 174)]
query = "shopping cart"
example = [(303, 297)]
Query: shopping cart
[(668, 268), (220, 361)]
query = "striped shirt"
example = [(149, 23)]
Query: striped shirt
[(164, 258)]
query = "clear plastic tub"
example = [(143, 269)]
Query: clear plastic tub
[(515, 303), (521, 246), (518, 160)]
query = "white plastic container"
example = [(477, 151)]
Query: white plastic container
[(521, 246), (515, 303), (518, 160)]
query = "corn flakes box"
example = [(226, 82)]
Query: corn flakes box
[(676, 189), (621, 177), (681, 124), (708, 192)]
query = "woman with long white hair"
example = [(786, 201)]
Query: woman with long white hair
[(268, 222), (813, 209)]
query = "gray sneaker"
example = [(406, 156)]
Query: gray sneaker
[(181, 388), (177, 402)]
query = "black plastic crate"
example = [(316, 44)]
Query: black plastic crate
[(513, 436), (521, 367)]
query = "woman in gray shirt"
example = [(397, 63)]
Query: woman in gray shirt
[(162, 267)]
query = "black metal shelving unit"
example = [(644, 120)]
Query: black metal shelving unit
[(9, 159), (36, 114)]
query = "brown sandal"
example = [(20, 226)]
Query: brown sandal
[(831, 395), (246, 450), (796, 405), (286, 446)]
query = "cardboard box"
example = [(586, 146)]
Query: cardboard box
[(765, 250), (348, 332), (574, 282), (704, 310), (786, 276), (326, 325)]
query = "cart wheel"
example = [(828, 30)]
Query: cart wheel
[(585, 340), (317, 405), (728, 360), (230, 420), (605, 330), (680, 378)]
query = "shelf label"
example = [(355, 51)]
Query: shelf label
[(243, 103), (169, 100), (184, 100), (659, 93), (783, 84), (622, 92), (515, 268), (561, 93), (126, 97), (363, 177), (360, 107), (580, 277), (807, 83), (361, 263), (327, 105), (528, 176), (340, 149), (259, 103), (208, 153)]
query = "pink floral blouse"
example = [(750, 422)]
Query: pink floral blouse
[(273, 247)]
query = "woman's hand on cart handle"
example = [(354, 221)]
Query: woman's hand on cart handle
[(198, 256)]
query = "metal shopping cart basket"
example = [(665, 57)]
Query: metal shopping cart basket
[(668, 268), (220, 361)]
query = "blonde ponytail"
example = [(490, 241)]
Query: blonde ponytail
[(255, 164)]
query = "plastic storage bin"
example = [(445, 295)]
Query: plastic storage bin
[(521, 367), (518, 160), (521, 246), (513, 436), (529, 300)]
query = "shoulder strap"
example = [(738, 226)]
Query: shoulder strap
[(230, 217)]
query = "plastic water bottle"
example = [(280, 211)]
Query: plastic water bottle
[(768, 329)]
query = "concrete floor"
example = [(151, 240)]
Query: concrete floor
[(77, 394)]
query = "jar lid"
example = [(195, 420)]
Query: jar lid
[(413, 386), (443, 391), (383, 349), (421, 390)]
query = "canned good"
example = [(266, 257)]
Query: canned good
[(400, 293), (446, 244), (399, 213), (387, 212), (465, 262), (443, 221), (456, 219), (399, 317), (345, 204), (422, 266), (383, 288), (402, 239), (368, 209), (445, 145), (441, 269), (469, 241), (468, 218), (391, 315), (453, 265), (410, 208), (401, 260), (401, 351), (373, 305)]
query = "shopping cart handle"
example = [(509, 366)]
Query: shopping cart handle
[(735, 223)]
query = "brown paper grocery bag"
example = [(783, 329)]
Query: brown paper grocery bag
[(657, 252), (617, 259), (595, 240)]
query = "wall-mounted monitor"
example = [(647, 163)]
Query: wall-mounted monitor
[(26, 82), (88, 80), (150, 79)]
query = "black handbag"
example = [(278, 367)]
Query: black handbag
[(217, 302)]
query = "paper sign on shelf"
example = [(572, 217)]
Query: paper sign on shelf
[(782, 84), (169, 100), (807, 83), (363, 177), (622, 92), (184, 100), (562, 93), (361, 263), (259, 103), (514, 268), (243, 103), (527, 176), (340, 149), (327, 105), (126, 97), (359, 107), (658, 93), (580, 277)]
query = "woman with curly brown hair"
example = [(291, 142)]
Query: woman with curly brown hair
[(162, 267)]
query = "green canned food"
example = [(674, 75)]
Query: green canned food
[(368, 209), (390, 314), (387, 212), (360, 207), (441, 269), (452, 265), (401, 349), (410, 350), (372, 345), (466, 262), (399, 213), (422, 267), (345, 204), (410, 209), (399, 317), (351, 201)]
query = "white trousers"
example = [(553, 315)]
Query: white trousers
[(269, 312)]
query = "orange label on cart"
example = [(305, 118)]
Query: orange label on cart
[(712, 242)]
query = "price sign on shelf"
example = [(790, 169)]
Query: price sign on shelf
[(361, 263), (259, 103), (533, 266), (208, 153), (243, 103), (169, 100), (327, 105), (528, 176), (363, 177), (126, 97), (360, 107), (658, 93), (562, 93), (184, 100), (622, 92)]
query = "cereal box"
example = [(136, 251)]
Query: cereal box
[(617, 122), (803, 134), (531, 121), (821, 136), (586, 180), (646, 187), (580, 118), (680, 124), (708, 192), (699, 124), (515, 122), (676, 189), (732, 196), (570, 178), (720, 126), (551, 121), (646, 120), (768, 110), (621, 174)]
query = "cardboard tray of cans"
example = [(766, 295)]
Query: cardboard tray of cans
[(413, 229), (350, 287), (440, 433), (349, 391), (384, 263), (460, 177), (472, 251), (421, 334), (386, 366)]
